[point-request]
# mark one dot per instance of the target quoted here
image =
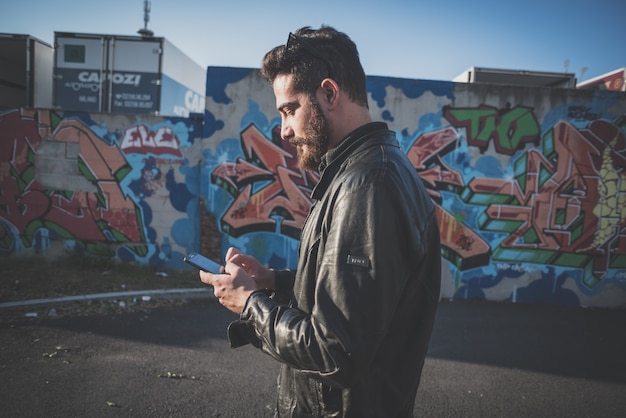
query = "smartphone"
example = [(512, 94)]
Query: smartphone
[(202, 263)]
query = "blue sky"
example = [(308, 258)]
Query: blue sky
[(436, 39)]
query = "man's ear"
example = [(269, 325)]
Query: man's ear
[(330, 92)]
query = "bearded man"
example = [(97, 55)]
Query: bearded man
[(351, 325)]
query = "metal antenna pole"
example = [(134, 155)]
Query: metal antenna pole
[(146, 18), (146, 13)]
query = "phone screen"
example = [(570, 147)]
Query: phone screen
[(202, 263)]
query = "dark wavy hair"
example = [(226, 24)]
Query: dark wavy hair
[(312, 55)]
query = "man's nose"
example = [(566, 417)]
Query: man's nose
[(286, 132)]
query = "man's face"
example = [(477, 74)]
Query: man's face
[(303, 122)]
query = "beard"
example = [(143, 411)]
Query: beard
[(315, 139)]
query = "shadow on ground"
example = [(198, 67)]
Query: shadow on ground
[(567, 341)]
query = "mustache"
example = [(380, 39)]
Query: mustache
[(295, 141)]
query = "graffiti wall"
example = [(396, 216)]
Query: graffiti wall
[(529, 184), (104, 184)]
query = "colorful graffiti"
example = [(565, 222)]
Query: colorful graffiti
[(140, 139), (531, 208), (60, 180), (565, 205), (283, 196), (531, 204), (28, 207), (508, 129)]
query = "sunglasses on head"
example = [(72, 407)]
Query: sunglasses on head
[(294, 40)]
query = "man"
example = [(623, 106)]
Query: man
[(351, 325)]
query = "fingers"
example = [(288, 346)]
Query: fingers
[(233, 255), (219, 287), (231, 289), (205, 277), (220, 281), (232, 251), (236, 282)]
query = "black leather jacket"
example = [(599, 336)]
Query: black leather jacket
[(354, 331)]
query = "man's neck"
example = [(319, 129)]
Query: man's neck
[(351, 118)]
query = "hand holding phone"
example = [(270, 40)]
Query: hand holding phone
[(202, 263)]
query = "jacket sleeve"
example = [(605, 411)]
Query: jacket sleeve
[(242, 332)]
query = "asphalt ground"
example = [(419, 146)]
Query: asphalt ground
[(486, 359)]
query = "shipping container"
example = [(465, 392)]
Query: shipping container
[(126, 74), (26, 65), (614, 81)]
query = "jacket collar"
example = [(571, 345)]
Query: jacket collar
[(332, 160)]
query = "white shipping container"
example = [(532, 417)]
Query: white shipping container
[(126, 74)]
